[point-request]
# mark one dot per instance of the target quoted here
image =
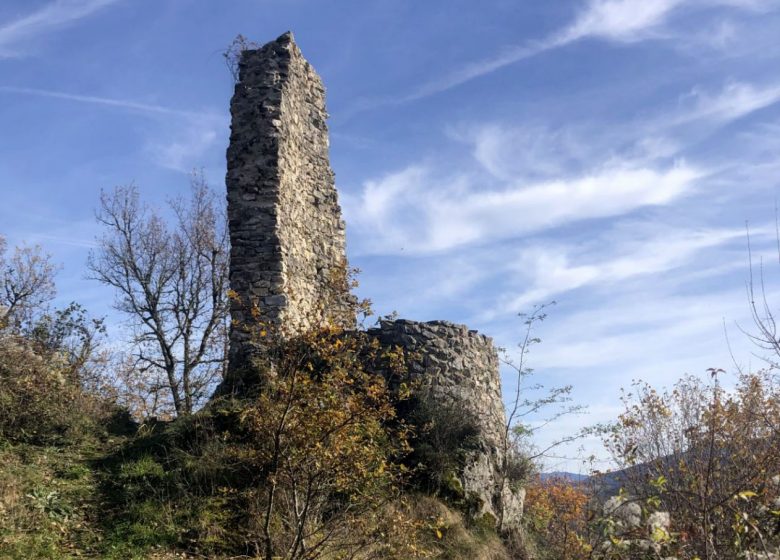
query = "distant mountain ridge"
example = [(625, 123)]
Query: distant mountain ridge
[(564, 475)]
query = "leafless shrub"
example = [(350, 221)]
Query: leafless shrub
[(235, 50)]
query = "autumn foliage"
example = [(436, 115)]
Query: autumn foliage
[(708, 456), (556, 511), (322, 438)]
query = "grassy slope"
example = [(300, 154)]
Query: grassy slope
[(78, 501), (48, 501)]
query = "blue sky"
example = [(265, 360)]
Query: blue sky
[(489, 155)]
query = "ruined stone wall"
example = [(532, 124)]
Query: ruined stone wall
[(287, 253), (286, 232), (457, 367), (309, 221)]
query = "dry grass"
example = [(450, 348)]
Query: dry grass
[(445, 534)]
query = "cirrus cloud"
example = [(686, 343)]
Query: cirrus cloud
[(53, 15), (415, 211)]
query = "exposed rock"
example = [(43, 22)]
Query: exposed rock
[(658, 521), (627, 513)]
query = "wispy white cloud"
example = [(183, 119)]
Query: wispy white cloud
[(193, 134), (630, 21), (530, 152), (525, 180), (472, 70), (649, 294), (734, 101), (184, 150), (493, 282), (510, 152), (106, 101), (618, 21), (552, 271), (417, 212), (640, 334), (53, 15), (41, 224)]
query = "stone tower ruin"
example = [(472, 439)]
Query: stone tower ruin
[(288, 258), (456, 369), (286, 232)]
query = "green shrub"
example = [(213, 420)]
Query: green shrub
[(443, 439)]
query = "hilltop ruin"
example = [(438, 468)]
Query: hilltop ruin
[(288, 241)]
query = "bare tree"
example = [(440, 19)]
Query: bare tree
[(26, 283), (144, 393), (172, 285), (766, 335), (530, 400)]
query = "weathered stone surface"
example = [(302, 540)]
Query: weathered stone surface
[(459, 367), (286, 232), (287, 245)]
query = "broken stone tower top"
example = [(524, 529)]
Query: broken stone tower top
[(286, 232)]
